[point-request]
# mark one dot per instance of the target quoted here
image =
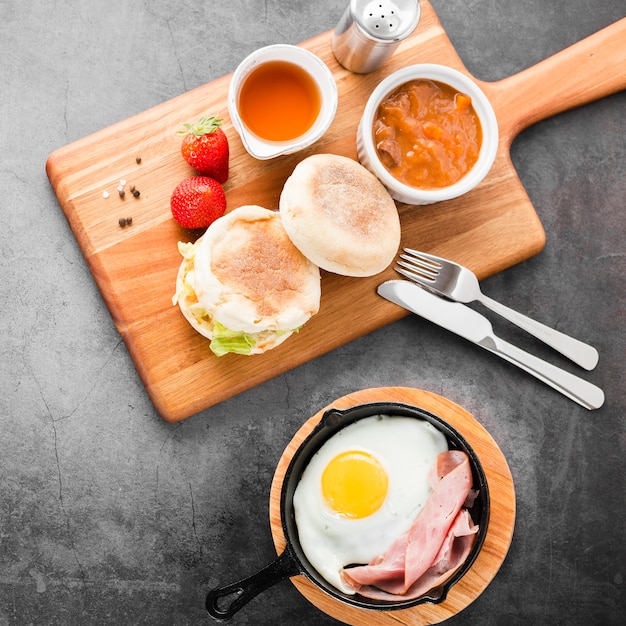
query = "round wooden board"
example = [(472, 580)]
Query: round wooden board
[(501, 522)]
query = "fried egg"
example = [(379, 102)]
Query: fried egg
[(363, 489)]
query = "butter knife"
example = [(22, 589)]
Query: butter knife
[(474, 327)]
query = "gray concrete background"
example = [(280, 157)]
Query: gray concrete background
[(108, 515)]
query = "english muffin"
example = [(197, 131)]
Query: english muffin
[(340, 216), (244, 285)]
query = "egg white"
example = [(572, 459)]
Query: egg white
[(407, 448)]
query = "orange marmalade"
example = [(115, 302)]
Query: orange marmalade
[(427, 134)]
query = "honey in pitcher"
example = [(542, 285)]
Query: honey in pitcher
[(279, 101)]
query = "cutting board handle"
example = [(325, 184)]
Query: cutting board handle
[(591, 69)]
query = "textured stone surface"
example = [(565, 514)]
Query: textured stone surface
[(108, 515)]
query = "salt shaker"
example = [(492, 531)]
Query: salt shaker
[(369, 31)]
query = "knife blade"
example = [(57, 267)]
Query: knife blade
[(475, 327)]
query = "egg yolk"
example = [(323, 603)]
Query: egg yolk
[(354, 484)]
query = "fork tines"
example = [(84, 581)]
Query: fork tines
[(417, 265)]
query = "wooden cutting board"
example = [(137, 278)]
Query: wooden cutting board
[(501, 518), (489, 229)]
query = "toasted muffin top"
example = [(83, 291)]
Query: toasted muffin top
[(340, 216), (250, 276)]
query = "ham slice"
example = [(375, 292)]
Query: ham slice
[(433, 548)]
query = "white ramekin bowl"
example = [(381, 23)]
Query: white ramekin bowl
[(413, 195), (261, 148)]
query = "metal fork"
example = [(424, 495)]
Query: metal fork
[(451, 280)]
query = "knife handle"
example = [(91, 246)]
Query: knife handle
[(580, 353), (575, 388)]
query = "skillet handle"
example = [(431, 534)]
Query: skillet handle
[(223, 602), (588, 70)]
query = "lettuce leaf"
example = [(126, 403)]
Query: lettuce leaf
[(226, 340)]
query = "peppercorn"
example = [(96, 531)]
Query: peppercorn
[(121, 192), (125, 221), (138, 160), (136, 193)]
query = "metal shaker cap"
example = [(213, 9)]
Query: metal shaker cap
[(370, 30), (386, 20)]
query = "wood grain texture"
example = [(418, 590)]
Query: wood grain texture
[(501, 522), (490, 229)]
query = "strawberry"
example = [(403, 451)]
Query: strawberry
[(197, 202), (205, 148)]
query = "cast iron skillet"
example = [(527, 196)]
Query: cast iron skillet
[(224, 601)]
